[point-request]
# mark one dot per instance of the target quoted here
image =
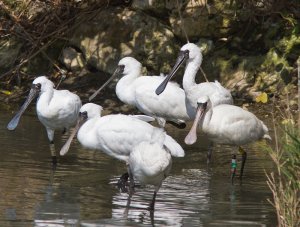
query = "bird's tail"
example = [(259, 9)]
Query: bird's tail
[(158, 136), (266, 131), (175, 149)]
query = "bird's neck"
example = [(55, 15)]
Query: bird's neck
[(86, 134), (125, 88), (190, 72), (44, 100)]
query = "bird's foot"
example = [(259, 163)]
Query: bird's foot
[(232, 178), (123, 183), (64, 131), (208, 157), (54, 163), (151, 206), (244, 158), (131, 187)]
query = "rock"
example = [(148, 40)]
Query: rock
[(36, 8), (198, 20), (72, 59), (117, 32), (156, 6)]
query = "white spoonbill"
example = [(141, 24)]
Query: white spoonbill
[(139, 91), (150, 162), (191, 53), (214, 90), (56, 109), (116, 134), (227, 124)]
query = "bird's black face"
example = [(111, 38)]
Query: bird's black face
[(36, 87), (186, 54), (121, 69), (83, 115), (202, 105)]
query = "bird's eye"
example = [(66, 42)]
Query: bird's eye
[(122, 67), (186, 53), (203, 104), (83, 114), (37, 86)]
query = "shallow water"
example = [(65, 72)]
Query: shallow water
[(82, 190)]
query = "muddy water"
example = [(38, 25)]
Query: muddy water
[(82, 191)]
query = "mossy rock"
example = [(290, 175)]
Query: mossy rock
[(289, 46), (118, 32)]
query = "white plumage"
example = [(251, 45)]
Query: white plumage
[(191, 53), (226, 124), (150, 161), (211, 102), (139, 91), (117, 134), (56, 109)]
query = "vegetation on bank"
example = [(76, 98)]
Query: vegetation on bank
[(258, 38), (33, 34), (284, 182)]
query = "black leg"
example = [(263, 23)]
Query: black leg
[(152, 215), (127, 205), (64, 131), (209, 152), (53, 154), (131, 181), (233, 167), (151, 207), (123, 182), (244, 158)]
